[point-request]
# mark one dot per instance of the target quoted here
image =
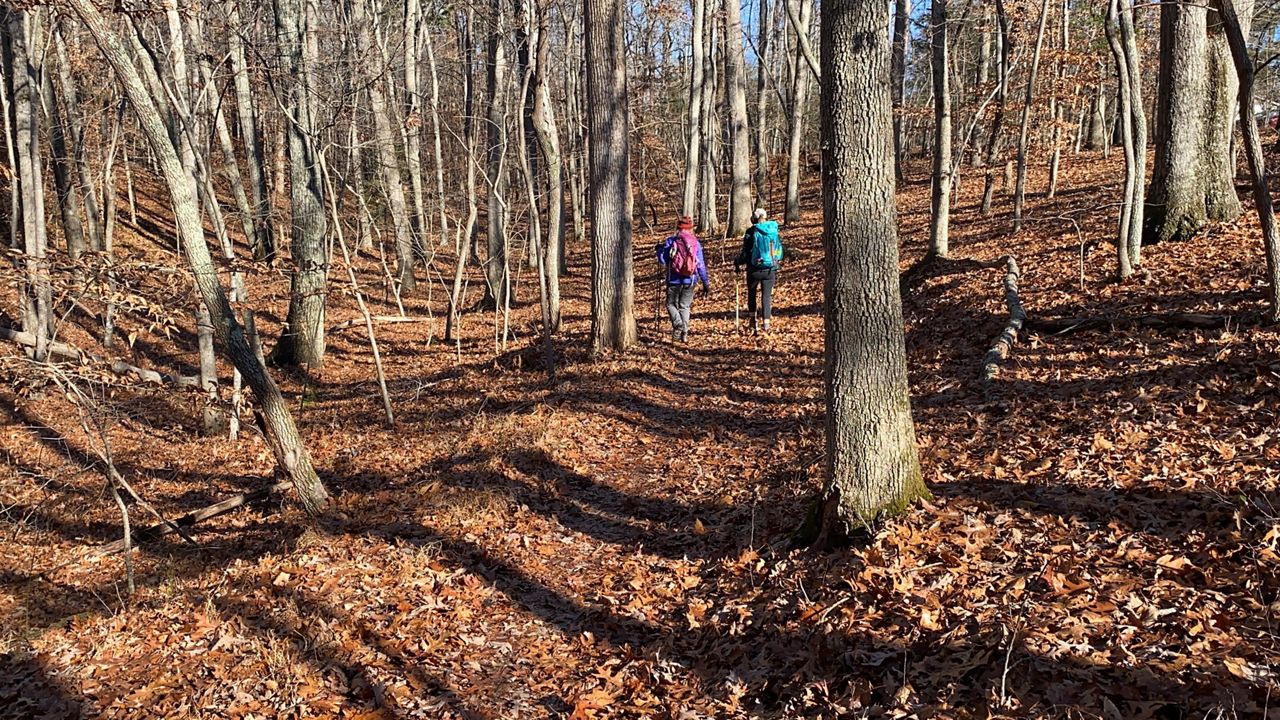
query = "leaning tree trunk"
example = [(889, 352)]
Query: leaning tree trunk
[(872, 466), (799, 98), (1020, 187), (303, 342), (281, 433), (693, 145), (613, 323), (1192, 182), (898, 76), (1235, 35), (940, 204), (93, 222)]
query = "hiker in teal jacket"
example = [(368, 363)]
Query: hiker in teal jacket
[(761, 253)]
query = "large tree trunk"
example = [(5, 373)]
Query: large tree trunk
[(281, 433), (23, 69), (498, 266), (799, 98), (1192, 182), (263, 239), (872, 465), (1020, 187), (739, 132), (613, 324), (303, 342), (898, 76), (940, 201)]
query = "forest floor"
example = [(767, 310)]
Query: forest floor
[(613, 542)]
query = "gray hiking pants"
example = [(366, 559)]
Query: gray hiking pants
[(679, 302)]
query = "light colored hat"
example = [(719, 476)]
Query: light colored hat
[(759, 214)]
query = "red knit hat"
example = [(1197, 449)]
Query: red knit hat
[(685, 223)]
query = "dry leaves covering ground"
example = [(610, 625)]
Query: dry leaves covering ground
[(613, 543)]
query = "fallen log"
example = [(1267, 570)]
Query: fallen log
[(118, 367), (1017, 318), (1158, 321), (195, 516), (356, 322)]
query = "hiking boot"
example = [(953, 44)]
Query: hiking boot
[(684, 336), (765, 326), (752, 327)]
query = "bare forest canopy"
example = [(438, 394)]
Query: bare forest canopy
[(345, 372)]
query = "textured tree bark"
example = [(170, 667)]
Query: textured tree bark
[(384, 141), (1138, 114), (762, 104), (693, 144), (739, 131), (281, 433), (1192, 181), (1020, 188), (708, 214), (1235, 34), (467, 236), (544, 124), (63, 182), (898, 75), (437, 149), (799, 98), (1098, 121), (992, 153), (303, 342), (613, 324), (263, 239), (873, 469), (1057, 105), (196, 38), (940, 200), (497, 268), (93, 222), (413, 34), (1124, 100), (22, 61)]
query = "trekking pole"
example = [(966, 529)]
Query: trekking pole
[(737, 302)]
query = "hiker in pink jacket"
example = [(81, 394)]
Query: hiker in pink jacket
[(681, 255)]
